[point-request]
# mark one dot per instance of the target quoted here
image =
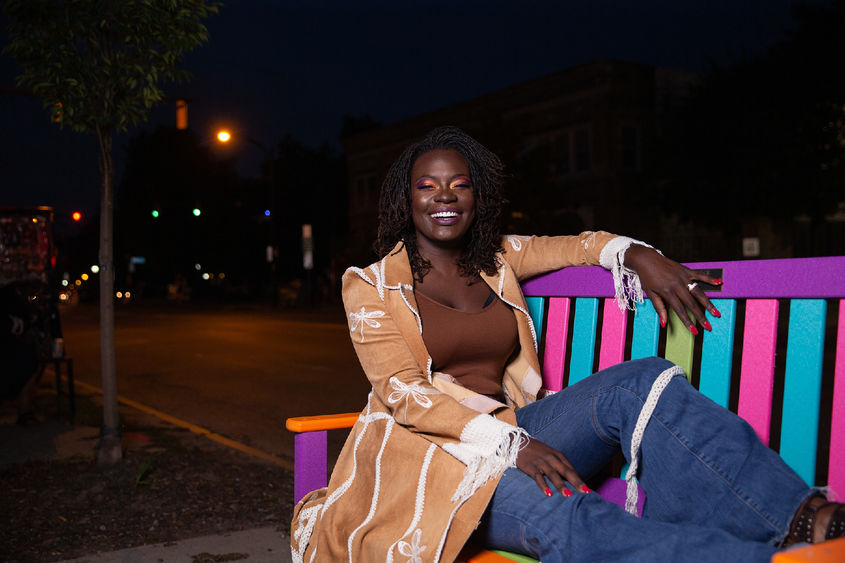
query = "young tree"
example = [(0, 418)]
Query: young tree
[(97, 66)]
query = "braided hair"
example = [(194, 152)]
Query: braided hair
[(396, 221)]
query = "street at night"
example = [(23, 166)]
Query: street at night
[(236, 371)]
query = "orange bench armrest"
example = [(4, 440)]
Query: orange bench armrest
[(321, 422)]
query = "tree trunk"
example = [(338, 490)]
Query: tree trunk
[(110, 442)]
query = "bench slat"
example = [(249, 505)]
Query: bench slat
[(646, 331), (554, 355), (836, 467), (536, 308), (583, 339), (758, 365), (613, 327), (679, 344), (803, 386), (717, 353)]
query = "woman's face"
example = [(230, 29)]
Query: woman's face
[(442, 198)]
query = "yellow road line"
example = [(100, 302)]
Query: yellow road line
[(193, 428)]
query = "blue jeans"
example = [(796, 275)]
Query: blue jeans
[(714, 492)]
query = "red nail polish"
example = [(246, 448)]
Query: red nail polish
[(548, 492), (585, 489), (717, 281), (567, 493), (662, 322), (707, 325), (715, 312), (693, 330)]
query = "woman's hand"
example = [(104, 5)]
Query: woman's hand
[(538, 461), (668, 282)]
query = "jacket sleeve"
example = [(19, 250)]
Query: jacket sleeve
[(531, 256), (485, 444)]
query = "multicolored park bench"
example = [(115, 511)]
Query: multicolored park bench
[(776, 357)]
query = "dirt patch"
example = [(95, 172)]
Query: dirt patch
[(170, 485)]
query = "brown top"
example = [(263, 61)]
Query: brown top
[(472, 347)]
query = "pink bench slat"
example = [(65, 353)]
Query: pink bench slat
[(836, 471), (758, 365), (614, 324), (554, 356)]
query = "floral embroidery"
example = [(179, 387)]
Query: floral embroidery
[(403, 391), (365, 318), (516, 241), (413, 550)]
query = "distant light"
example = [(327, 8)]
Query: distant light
[(197, 267), (197, 211), (221, 275), (76, 216), (119, 295), (127, 295), (223, 136), (155, 213), (84, 277), (64, 283), (35, 219), (95, 269), (78, 282), (206, 276), (266, 212)]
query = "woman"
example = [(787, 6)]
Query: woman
[(454, 441)]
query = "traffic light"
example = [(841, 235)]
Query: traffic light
[(76, 216), (197, 212), (181, 114), (57, 112), (154, 213)]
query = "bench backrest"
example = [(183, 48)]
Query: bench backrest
[(776, 356)]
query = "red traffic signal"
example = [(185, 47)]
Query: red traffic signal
[(76, 216)]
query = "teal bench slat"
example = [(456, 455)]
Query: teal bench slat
[(583, 338), (536, 308), (717, 353), (646, 331), (802, 386)]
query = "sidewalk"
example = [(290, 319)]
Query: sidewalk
[(55, 440), (258, 545)]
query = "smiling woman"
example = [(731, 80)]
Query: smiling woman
[(457, 441)]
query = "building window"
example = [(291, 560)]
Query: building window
[(582, 150), (630, 148)]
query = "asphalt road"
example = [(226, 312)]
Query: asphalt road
[(237, 371)]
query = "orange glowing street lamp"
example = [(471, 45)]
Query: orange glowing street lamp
[(76, 216), (223, 136)]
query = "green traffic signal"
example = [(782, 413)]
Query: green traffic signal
[(197, 212), (155, 213)]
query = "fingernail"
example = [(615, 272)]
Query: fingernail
[(567, 493), (717, 281), (585, 489), (715, 312), (662, 322), (693, 330), (548, 492), (707, 326)]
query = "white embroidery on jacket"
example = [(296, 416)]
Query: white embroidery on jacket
[(419, 503), (413, 550), (404, 391), (363, 275), (516, 241), (365, 318)]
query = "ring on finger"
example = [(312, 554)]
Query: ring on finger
[(692, 286)]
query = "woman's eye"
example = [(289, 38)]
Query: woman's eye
[(462, 185), (426, 186)]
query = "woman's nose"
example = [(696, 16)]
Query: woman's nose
[(445, 193)]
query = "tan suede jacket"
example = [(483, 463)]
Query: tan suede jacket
[(425, 455)]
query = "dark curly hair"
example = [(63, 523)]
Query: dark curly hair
[(486, 171)]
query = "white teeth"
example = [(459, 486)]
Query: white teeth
[(444, 215)]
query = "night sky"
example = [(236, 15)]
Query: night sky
[(278, 67)]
